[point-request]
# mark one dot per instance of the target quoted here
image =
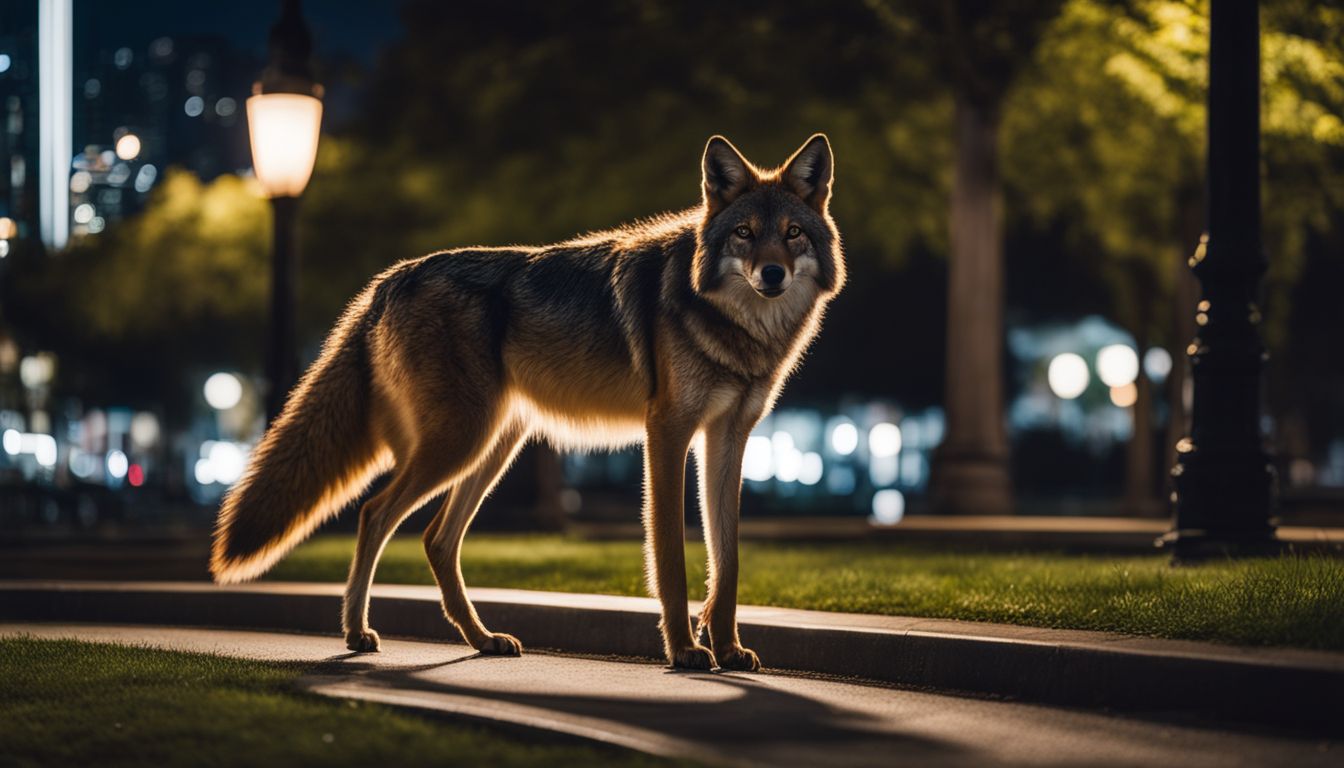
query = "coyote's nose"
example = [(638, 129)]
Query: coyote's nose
[(772, 275)]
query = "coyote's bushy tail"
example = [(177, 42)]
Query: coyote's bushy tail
[(317, 456)]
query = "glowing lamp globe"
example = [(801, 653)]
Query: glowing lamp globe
[(284, 128)]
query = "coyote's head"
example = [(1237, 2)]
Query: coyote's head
[(768, 231)]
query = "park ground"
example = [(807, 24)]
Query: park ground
[(1295, 601), (250, 702), (76, 703)]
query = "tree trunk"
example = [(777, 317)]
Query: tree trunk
[(971, 466)]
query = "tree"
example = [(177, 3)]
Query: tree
[(180, 288), (1105, 131), (982, 45)]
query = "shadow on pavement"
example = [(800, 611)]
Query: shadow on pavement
[(760, 722)]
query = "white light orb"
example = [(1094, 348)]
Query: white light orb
[(37, 370), (128, 147), (144, 429), (44, 450), (788, 465), (812, 469), (844, 438), (884, 440), (223, 391), (1157, 364), (1067, 376), (888, 506), (1117, 365), (13, 442), (227, 462), (204, 473), (117, 464), (758, 462)]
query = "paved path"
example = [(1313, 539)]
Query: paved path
[(757, 719)]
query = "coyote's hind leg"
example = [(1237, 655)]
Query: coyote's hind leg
[(378, 520), (443, 542)]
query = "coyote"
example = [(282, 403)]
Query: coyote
[(675, 331)]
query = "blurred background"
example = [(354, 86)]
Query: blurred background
[(135, 267)]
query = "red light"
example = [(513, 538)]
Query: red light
[(135, 475)]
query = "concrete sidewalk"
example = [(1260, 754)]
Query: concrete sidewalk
[(1303, 689), (728, 718)]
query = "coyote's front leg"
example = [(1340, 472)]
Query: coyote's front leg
[(668, 440), (719, 458)]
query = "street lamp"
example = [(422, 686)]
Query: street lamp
[(1224, 479), (284, 115)]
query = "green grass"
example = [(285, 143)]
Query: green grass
[(66, 702), (1287, 601)]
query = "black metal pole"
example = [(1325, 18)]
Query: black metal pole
[(1224, 478), (282, 358)]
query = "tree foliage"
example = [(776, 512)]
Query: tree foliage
[(180, 287), (501, 123), (1106, 131)]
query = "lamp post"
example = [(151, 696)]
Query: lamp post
[(284, 115), (1223, 477)]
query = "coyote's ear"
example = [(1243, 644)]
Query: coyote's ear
[(726, 174), (810, 171)]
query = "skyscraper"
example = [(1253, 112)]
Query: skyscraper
[(18, 123)]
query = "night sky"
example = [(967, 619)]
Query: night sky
[(341, 28)]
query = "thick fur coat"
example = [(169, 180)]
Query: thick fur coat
[(676, 332)]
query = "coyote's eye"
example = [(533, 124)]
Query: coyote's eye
[(793, 231), (743, 232)]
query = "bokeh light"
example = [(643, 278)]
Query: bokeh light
[(811, 468), (223, 391), (1157, 364), (117, 464), (844, 438), (1125, 395), (1117, 365), (888, 506), (757, 461), (1067, 376), (128, 147), (884, 440)]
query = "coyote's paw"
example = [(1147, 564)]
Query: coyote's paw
[(693, 657), (362, 640), (740, 659), (500, 644)]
